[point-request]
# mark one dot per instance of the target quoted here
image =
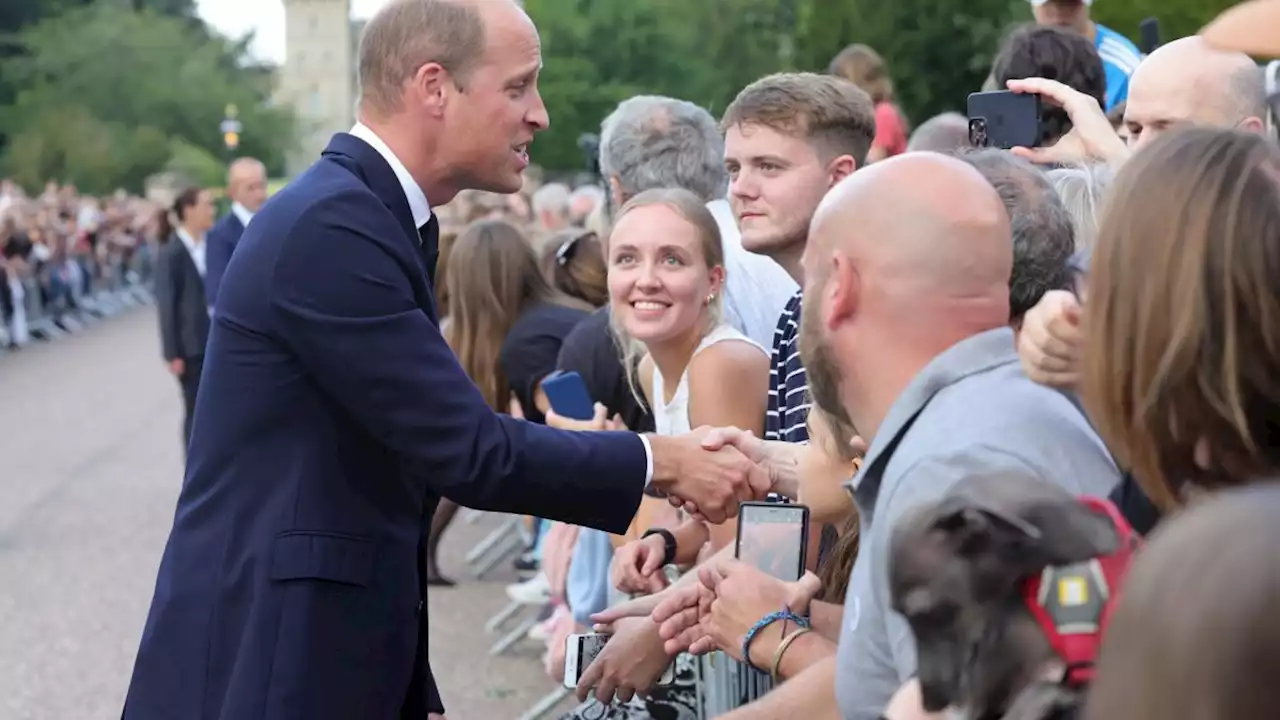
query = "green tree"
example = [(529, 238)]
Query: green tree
[(129, 69), (599, 52)]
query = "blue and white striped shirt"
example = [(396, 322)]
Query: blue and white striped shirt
[(1120, 57), (788, 406)]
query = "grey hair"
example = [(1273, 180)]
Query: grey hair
[(1081, 189), (650, 142), (943, 133), (594, 192), (552, 198), (1043, 236)]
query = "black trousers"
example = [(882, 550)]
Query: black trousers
[(190, 382)]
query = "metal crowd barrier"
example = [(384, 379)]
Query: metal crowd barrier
[(51, 309), (724, 684)]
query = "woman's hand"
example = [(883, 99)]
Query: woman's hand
[(601, 421), (637, 566)]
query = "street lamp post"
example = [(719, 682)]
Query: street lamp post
[(231, 130)]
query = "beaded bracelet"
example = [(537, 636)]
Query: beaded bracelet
[(764, 622)]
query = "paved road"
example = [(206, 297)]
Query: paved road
[(90, 464)]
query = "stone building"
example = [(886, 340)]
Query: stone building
[(318, 77)]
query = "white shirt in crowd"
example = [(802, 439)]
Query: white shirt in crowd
[(421, 210), (242, 214), (194, 248), (756, 288)]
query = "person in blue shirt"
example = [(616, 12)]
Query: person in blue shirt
[(1120, 57)]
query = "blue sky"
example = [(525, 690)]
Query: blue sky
[(266, 17)]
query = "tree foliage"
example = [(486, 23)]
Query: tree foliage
[(597, 52), (129, 83)]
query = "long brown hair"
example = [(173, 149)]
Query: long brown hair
[(1195, 635), (1183, 317), (492, 278), (574, 263)]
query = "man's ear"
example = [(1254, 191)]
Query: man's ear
[(841, 168), (1070, 532)]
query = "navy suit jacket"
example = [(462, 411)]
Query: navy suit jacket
[(332, 416), (220, 242)]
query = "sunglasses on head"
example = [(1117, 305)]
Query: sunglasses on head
[(564, 253)]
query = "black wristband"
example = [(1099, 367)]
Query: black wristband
[(669, 544)]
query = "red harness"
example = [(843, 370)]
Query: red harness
[(1073, 603)]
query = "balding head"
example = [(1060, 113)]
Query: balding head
[(941, 133), (1187, 81), (247, 183), (906, 257)]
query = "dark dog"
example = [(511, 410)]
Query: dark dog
[(958, 572)]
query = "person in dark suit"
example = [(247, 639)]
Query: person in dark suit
[(180, 294), (333, 416), (247, 188)]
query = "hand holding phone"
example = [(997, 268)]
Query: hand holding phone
[(581, 650), (1004, 119), (773, 538), (568, 395)]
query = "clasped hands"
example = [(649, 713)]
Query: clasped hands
[(708, 472), (717, 611)]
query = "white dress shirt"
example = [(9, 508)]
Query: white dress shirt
[(242, 214), (194, 248), (421, 210)]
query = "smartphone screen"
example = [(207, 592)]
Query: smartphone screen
[(581, 650), (772, 537)]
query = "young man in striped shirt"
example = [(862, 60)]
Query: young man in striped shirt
[(788, 139), (1120, 57)]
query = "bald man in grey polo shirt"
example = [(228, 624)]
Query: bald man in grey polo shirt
[(906, 328)]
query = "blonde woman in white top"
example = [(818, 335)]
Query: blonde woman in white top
[(666, 274)]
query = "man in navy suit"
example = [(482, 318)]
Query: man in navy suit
[(247, 188), (333, 415)]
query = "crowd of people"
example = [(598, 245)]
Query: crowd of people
[(926, 355), (60, 250), (935, 348)]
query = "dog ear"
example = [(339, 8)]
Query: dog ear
[(969, 529), (1070, 532)]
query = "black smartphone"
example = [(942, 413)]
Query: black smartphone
[(1149, 35), (773, 538), (1005, 119)]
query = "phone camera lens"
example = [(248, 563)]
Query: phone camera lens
[(978, 132)]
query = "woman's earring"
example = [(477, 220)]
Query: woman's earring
[(711, 297)]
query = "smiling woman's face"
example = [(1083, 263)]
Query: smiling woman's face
[(659, 280)]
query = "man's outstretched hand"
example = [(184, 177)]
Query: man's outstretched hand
[(709, 483)]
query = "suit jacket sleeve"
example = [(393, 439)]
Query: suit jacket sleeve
[(167, 300), (345, 304), (217, 256)]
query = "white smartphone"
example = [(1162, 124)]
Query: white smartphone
[(581, 650)]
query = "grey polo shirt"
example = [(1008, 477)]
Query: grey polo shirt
[(970, 411)]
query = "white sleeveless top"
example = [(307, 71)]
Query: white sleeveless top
[(672, 418)]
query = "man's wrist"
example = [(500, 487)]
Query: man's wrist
[(782, 460), (665, 455)]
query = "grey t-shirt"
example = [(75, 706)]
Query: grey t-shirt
[(970, 411)]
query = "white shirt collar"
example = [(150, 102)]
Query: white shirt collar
[(194, 248), (242, 213), (412, 191)]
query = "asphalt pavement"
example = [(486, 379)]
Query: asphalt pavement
[(90, 465)]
